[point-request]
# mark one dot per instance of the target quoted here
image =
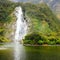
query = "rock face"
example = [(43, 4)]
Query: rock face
[(10, 28)]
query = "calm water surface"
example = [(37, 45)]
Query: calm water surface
[(31, 53)]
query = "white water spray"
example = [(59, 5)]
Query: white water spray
[(21, 26), (21, 31)]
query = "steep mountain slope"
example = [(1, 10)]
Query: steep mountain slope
[(6, 19), (53, 4), (42, 18)]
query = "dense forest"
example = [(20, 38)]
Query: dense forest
[(44, 25)]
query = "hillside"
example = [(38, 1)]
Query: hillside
[(44, 25), (41, 19), (6, 19), (53, 4)]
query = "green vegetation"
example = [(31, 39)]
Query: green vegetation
[(40, 39), (6, 9), (44, 25), (42, 18), (3, 39)]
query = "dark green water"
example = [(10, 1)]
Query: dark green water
[(32, 53)]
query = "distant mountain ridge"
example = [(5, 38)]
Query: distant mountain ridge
[(54, 4)]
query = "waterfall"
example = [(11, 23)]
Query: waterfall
[(21, 25), (20, 32)]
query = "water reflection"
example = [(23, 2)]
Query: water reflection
[(30, 53), (12, 51), (19, 53)]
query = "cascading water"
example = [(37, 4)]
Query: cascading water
[(21, 31), (21, 26)]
